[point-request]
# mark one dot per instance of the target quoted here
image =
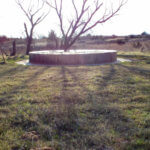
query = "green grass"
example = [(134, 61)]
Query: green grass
[(13, 59), (76, 107)]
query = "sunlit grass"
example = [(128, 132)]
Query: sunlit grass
[(76, 107)]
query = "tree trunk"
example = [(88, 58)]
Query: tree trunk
[(66, 45), (29, 41), (65, 49), (14, 48), (29, 38)]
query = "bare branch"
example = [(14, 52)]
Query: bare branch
[(84, 19), (71, 25), (50, 5), (25, 12), (26, 30), (34, 15), (41, 18), (75, 8), (75, 27), (98, 6), (38, 9)]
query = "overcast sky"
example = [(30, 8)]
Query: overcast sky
[(134, 18)]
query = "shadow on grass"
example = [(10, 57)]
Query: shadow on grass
[(100, 108), (12, 70), (64, 82), (8, 98), (137, 70), (94, 123)]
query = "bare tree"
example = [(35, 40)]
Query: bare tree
[(35, 14), (86, 18)]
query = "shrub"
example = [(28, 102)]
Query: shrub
[(120, 41)]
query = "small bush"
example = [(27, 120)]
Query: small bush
[(120, 42)]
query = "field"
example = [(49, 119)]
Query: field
[(104, 107)]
